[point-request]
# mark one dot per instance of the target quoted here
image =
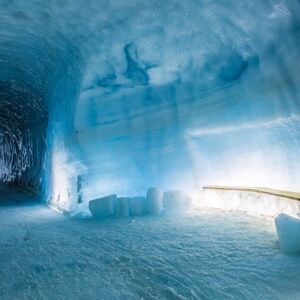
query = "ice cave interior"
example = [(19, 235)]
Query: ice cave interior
[(101, 97), (111, 97)]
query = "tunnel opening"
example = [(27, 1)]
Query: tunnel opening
[(23, 123), (40, 78)]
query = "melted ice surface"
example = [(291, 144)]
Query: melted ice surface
[(204, 255)]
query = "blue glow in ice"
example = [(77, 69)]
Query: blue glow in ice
[(131, 94)]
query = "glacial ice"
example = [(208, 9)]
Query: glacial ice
[(205, 255), (109, 97), (102, 97), (137, 205), (288, 230), (176, 201), (155, 202), (103, 207), (154, 199), (122, 208), (251, 202)]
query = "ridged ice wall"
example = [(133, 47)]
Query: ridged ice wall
[(253, 201)]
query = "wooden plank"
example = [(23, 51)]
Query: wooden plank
[(286, 194)]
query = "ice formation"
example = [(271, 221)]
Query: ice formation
[(154, 203), (109, 97), (206, 255), (288, 230), (122, 207), (103, 207), (176, 201), (136, 205), (254, 203)]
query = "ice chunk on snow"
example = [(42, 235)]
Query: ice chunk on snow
[(122, 207), (137, 205), (153, 201), (82, 211), (288, 230), (298, 214), (176, 201), (103, 207)]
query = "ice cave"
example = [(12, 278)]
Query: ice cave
[(149, 149)]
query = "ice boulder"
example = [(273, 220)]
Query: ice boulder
[(122, 207), (288, 230), (137, 206), (103, 207), (176, 201), (153, 203), (298, 214)]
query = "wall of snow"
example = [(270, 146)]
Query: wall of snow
[(156, 93)]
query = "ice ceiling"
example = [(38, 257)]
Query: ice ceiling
[(113, 96)]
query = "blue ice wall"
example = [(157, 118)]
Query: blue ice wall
[(39, 80), (23, 114), (166, 93)]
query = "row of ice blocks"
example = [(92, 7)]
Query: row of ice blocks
[(154, 203)]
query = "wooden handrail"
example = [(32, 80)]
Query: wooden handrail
[(286, 194)]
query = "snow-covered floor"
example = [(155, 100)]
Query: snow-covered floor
[(203, 255)]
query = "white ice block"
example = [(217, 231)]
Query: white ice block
[(122, 207), (288, 230), (103, 207), (154, 201), (137, 205), (176, 201)]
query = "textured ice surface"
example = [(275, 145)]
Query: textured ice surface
[(176, 201), (154, 203), (288, 230), (102, 97), (122, 208), (154, 199), (251, 202), (205, 255), (104, 207), (137, 205)]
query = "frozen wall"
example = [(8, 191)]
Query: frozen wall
[(39, 81), (252, 202), (159, 93)]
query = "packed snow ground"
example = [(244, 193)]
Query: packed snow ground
[(207, 254)]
